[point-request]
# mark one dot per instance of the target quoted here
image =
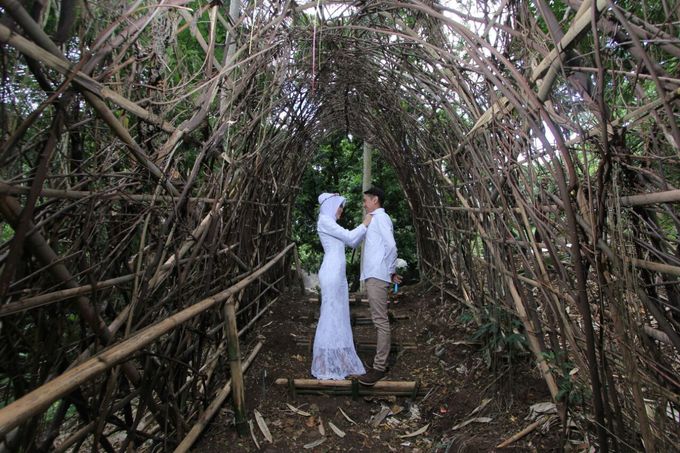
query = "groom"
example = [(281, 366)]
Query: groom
[(379, 261)]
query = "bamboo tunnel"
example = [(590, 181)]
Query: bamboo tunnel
[(533, 167)]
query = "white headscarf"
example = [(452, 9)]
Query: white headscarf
[(330, 202)]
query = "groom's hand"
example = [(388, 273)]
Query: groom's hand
[(396, 278)]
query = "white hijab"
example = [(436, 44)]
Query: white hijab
[(330, 202)]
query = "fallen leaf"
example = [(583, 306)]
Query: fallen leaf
[(378, 418), (481, 406), (322, 430), (252, 434), (263, 426), (298, 411), (415, 413), (466, 342), (476, 420), (316, 443), (537, 409), (347, 416), (310, 422), (336, 430), (416, 433), (393, 422)]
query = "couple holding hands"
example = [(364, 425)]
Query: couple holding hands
[(334, 355)]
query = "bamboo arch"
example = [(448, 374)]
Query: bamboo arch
[(151, 154)]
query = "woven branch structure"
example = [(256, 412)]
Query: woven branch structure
[(151, 153)]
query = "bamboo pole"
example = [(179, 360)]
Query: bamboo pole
[(7, 189), (196, 33), (257, 316), (231, 335), (56, 296), (633, 381), (662, 268), (41, 300), (37, 244), (210, 411), (627, 121), (33, 29), (82, 432), (39, 399), (64, 67), (196, 235), (534, 343), (644, 199), (298, 270), (352, 387), (517, 436), (579, 25), (346, 383)]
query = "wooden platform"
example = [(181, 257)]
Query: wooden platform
[(352, 387)]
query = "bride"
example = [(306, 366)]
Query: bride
[(334, 356)]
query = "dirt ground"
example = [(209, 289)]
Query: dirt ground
[(460, 389)]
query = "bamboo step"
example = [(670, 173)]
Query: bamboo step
[(361, 346), (352, 387), (353, 300), (366, 321)]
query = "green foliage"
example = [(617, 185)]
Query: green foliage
[(570, 390), (501, 336), (466, 317), (6, 232), (337, 167)]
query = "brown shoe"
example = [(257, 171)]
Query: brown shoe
[(371, 377)]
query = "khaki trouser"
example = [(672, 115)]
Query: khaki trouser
[(377, 299)]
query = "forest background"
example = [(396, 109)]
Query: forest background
[(338, 167)]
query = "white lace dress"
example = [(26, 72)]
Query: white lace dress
[(334, 355)]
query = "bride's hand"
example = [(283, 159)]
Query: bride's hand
[(367, 219)]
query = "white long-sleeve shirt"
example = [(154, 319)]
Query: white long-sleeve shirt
[(380, 249)]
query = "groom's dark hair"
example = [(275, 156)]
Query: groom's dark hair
[(377, 192)]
